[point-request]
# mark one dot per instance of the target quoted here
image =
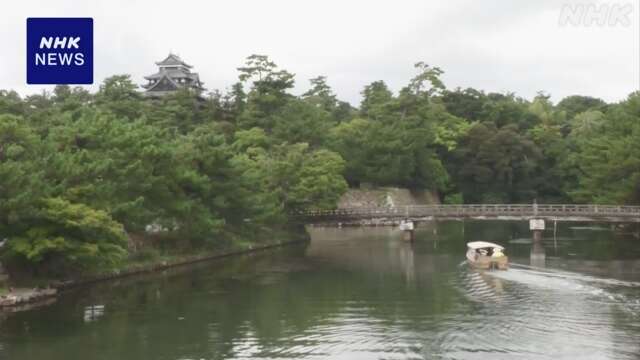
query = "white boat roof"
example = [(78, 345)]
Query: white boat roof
[(483, 244)]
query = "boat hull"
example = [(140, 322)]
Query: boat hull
[(484, 262)]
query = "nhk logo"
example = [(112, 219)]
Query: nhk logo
[(59, 50), (53, 58)]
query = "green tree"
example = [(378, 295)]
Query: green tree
[(496, 165), (427, 81), (179, 112), (300, 121), (11, 103), (66, 235), (576, 104), (320, 94), (375, 97), (291, 177), (467, 104), (268, 92), (303, 179), (215, 197), (610, 152), (125, 167), (22, 159), (118, 95)]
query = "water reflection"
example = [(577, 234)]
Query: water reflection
[(359, 293), (538, 254), (93, 312)]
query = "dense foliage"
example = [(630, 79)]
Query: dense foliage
[(81, 172)]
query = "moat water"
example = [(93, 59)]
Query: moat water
[(360, 293)]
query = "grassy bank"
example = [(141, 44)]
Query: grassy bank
[(152, 256)]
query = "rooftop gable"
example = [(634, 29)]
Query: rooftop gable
[(173, 60)]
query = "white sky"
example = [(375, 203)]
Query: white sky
[(491, 45)]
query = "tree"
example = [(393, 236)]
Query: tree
[(496, 165), (466, 104), (374, 97), (292, 177), (216, 199), (611, 152), (352, 140), (180, 112), (68, 235), (11, 103), (268, 91), (427, 81), (303, 179), (118, 95), (235, 103), (299, 121), (388, 154), (71, 99), (125, 167), (576, 104), (507, 109), (398, 142), (22, 159), (320, 94)]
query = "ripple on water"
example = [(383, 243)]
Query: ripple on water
[(395, 302), (571, 314)]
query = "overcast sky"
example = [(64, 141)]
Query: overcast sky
[(492, 45)]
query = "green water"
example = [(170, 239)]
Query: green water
[(360, 293)]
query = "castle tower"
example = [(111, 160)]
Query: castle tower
[(173, 74)]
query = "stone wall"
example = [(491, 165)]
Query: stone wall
[(386, 196)]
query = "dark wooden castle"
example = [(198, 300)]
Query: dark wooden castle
[(173, 74)]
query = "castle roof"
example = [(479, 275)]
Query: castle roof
[(173, 60), (173, 73)]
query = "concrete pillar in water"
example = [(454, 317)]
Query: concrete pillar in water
[(537, 227)]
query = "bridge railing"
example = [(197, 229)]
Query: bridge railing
[(479, 210)]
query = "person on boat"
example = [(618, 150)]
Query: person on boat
[(497, 253)]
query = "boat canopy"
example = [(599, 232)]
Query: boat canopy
[(483, 245)]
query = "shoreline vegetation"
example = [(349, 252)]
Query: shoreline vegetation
[(40, 291), (168, 260), (152, 259), (90, 182)]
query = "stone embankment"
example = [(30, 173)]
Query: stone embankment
[(386, 197), (379, 197), (23, 296)]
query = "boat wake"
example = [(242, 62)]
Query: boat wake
[(624, 295), (568, 312), (567, 275)]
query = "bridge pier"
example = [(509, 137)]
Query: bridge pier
[(408, 228)]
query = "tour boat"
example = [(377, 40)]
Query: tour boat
[(486, 255)]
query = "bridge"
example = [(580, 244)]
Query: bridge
[(554, 212)]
